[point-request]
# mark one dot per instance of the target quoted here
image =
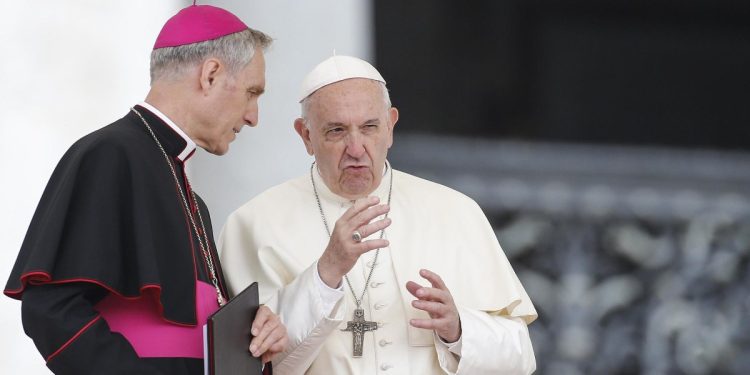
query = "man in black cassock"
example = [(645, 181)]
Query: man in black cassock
[(118, 271)]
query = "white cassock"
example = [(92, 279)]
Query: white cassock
[(277, 237)]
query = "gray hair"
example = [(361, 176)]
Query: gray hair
[(306, 103), (235, 50)]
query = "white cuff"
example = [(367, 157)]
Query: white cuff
[(328, 296), (453, 347), (449, 354)]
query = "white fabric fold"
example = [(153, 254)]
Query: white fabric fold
[(277, 238)]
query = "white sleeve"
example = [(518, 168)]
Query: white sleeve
[(310, 311), (328, 296), (489, 344)]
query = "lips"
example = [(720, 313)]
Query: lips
[(356, 168)]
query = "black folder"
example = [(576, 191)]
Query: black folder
[(229, 336)]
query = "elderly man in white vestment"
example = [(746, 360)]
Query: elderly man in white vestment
[(375, 271)]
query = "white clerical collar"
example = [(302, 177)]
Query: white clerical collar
[(381, 191), (189, 144)]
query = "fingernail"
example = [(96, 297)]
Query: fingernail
[(254, 332), (253, 349)]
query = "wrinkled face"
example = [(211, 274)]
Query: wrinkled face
[(234, 104), (349, 130)]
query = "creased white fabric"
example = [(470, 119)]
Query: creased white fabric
[(277, 237)]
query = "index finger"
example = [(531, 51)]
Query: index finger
[(433, 278), (264, 313)]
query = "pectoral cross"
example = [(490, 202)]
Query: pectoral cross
[(358, 326)]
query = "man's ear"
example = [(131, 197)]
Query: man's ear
[(304, 133), (392, 120), (210, 70)]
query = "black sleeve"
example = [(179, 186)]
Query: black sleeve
[(72, 336)]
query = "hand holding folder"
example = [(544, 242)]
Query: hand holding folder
[(228, 336)]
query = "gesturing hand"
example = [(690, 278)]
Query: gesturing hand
[(343, 251), (438, 303), (270, 335)]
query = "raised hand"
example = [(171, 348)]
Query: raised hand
[(343, 249), (437, 301)]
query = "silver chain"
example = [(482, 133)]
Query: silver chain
[(328, 230), (204, 249)]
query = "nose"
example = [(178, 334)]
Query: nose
[(354, 145), (251, 115)]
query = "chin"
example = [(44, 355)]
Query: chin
[(358, 188), (220, 150)]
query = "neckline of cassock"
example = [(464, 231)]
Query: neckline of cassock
[(175, 142)]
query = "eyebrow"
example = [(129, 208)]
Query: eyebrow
[(373, 121), (256, 90)]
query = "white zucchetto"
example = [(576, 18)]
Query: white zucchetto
[(335, 69)]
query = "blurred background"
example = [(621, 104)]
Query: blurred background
[(607, 142)]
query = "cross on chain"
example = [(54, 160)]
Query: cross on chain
[(358, 326)]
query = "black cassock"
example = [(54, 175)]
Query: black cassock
[(111, 221)]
